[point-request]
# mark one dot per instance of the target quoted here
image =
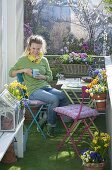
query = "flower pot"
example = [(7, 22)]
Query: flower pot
[(28, 116), (9, 156), (94, 166), (100, 101)]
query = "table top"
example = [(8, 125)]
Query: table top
[(71, 83)]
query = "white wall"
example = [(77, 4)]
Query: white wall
[(0, 43), (108, 64), (11, 36)]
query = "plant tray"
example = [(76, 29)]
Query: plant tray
[(11, 112), (75, 69)]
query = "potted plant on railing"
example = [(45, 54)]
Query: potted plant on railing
[(20, 91), (76, 63), (95, 157), (98, 89)]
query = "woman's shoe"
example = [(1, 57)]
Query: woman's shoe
[(42, 123), (50, 131)]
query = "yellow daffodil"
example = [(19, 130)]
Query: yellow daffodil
[(95, 133), (17, 89), (106, 145), (94, 141)]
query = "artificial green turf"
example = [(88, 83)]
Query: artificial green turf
[(42, 154)]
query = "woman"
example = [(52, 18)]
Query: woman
[(37, 85)]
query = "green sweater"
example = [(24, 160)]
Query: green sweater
[(31, 83)]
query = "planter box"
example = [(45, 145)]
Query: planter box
[(75, 69)]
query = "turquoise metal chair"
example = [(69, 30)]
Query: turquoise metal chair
[(29, 104)]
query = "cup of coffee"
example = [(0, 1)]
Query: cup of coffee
[(35, 72)]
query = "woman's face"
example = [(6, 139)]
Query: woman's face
[(35, 49)]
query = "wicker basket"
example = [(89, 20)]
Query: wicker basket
[(75, 69)]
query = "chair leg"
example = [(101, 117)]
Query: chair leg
[(71, 130), (75, 128), (35, 120), (87, 128), (68, 136), (92, 121)]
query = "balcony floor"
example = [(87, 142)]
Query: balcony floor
[(42, 155)]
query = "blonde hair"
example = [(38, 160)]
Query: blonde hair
[(35, 39)]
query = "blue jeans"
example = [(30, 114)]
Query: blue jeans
[(53, 98)]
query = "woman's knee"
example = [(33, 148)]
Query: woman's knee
[(54, 100)]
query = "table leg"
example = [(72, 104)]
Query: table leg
[(76, 96), (70, 99)]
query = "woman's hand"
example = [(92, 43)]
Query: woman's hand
[(28, 71), (40, 77)]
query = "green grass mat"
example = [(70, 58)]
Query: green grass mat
[(42, 154)]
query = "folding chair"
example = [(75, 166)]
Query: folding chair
[(80, 114), (29, 104)]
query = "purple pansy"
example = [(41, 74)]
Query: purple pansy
[(83, 55)]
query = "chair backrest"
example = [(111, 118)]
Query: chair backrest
[(84, 95), (20, 78)]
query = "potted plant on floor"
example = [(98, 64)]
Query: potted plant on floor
[(98, 89), (94, 158)]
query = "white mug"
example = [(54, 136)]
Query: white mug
[(35, 72)]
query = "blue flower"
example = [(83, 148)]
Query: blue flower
[(89, 156)]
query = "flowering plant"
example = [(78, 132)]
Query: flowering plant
[(101, 73), (100, 143), (76, 58), (90, 156), (98, 149), (99, 83), (17, 89)]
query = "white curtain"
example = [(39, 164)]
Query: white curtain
[(1, 44), (11, 36)]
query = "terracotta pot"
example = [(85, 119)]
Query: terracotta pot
[(100, 101), (94, 166), (28, 116), (9, 156)]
